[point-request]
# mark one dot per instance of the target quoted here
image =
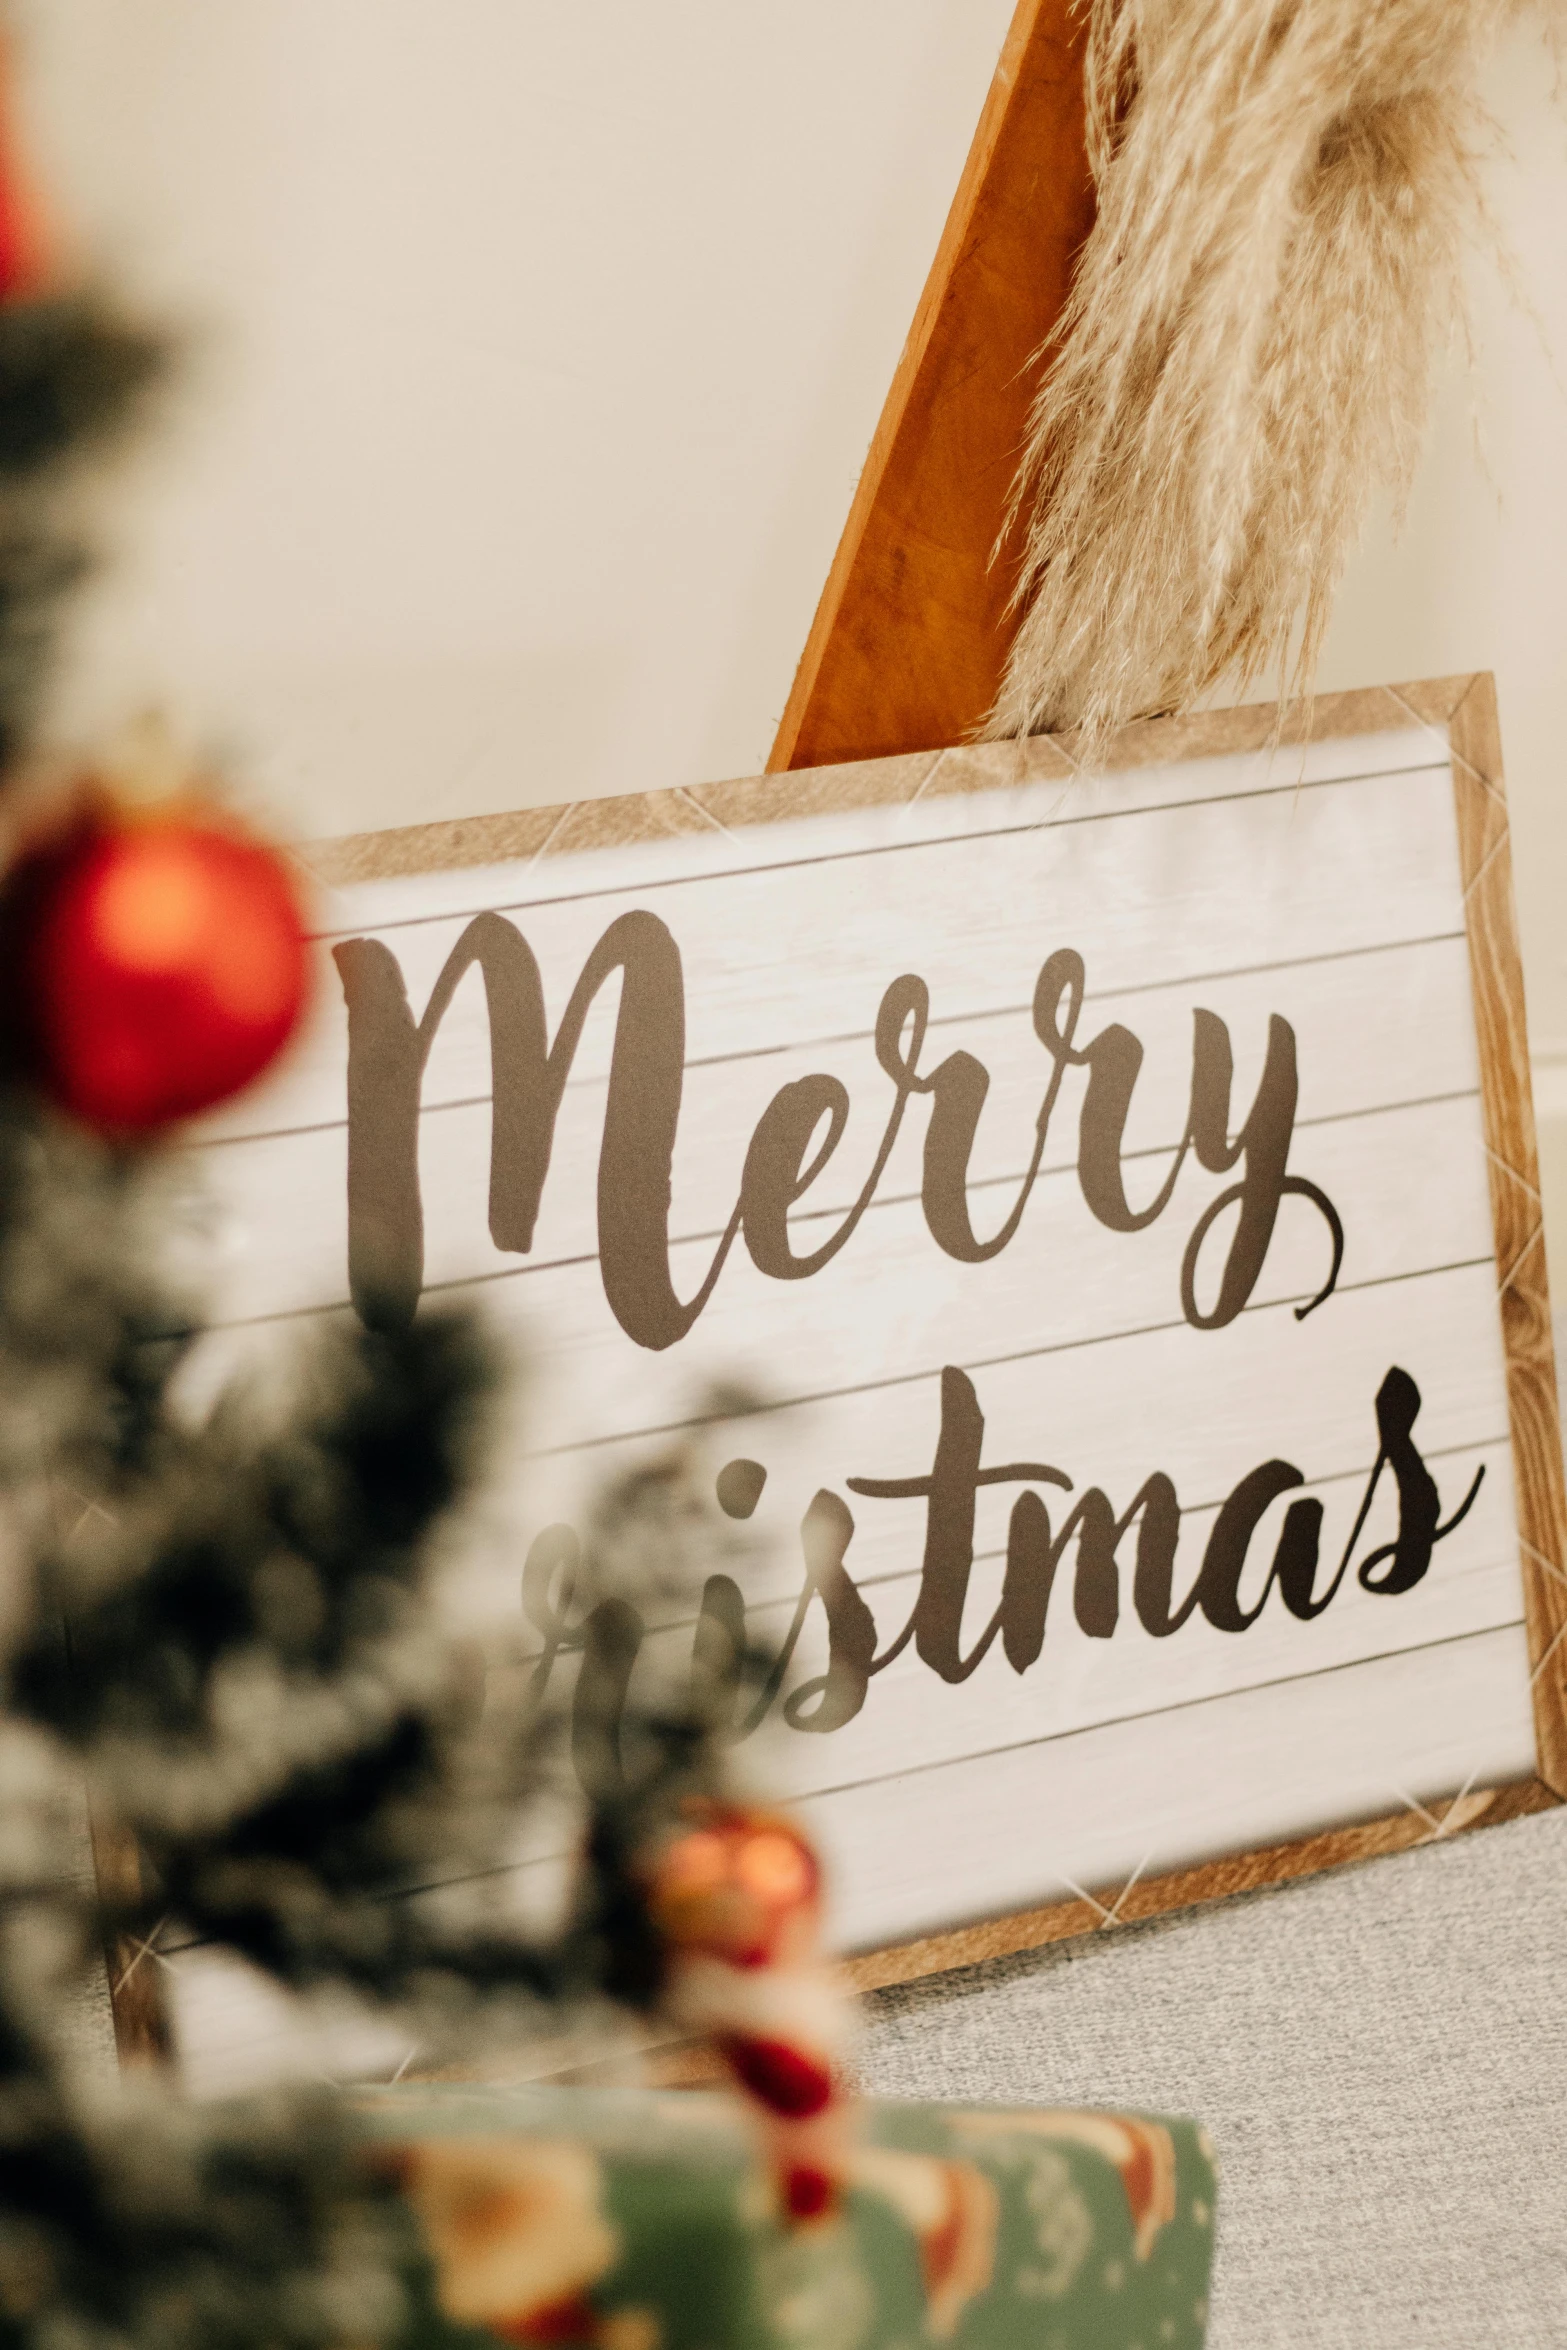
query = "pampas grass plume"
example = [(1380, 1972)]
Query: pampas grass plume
[(1287, 189)]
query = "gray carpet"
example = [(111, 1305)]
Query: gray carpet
[(1381, 2056)]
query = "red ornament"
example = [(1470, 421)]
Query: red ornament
[(27, 260), (157, 963), (741, 1886)]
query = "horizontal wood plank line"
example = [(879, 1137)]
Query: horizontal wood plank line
[(1180, 1705), (902, 1199), (1250, 1871), (884, 1582), (812, 1044), (1030, 1354), (892, 1575), (789, 1403), (1051, 1170), (180, 1941), (893, 848)]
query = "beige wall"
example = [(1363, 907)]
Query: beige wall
[(1478, 576), (545, 342), (540, 346)]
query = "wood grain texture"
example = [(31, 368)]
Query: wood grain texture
[(1467, 707), (1247, 1872), (1463, 706), (912, 630), (692, 2064), (1496, 972), (534, 834)]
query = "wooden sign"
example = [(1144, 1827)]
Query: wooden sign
[(1120, 1191)]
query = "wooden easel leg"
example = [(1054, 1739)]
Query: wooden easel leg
[(909, 641)]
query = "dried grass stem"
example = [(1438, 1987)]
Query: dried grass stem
[(1287, 189)]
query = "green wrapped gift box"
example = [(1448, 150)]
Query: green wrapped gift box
[(640, 2220)]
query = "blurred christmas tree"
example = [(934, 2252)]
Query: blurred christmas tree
[(222, 1625)]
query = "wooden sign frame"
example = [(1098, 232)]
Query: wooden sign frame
[(1466, 707)]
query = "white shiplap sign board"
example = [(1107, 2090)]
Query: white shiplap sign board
[(1006, 1324)]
